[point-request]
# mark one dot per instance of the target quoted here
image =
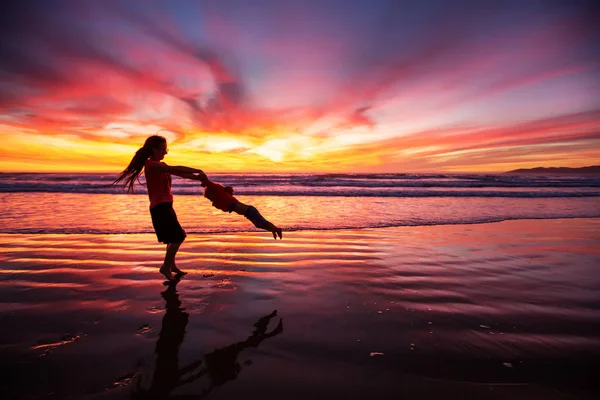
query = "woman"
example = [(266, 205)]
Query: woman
[(158, 179)]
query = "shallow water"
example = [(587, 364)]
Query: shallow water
[(495, 310), (110, 213)]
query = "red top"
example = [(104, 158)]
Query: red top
[(220, 196), (159, 185)]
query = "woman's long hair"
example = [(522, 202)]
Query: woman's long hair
[(136, 165)]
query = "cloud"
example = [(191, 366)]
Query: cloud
[(270, 72)]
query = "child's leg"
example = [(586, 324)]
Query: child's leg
[(260, 222), (239, 208)]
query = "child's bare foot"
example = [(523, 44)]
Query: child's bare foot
[(166, 271), (177, 271), (277, 232)]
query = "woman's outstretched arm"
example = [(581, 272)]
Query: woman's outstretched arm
[(184, 172), (201, 176)]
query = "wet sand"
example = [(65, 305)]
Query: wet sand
[(501, 310)]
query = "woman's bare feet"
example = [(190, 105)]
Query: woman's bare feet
[(177, 271), (166, 271)]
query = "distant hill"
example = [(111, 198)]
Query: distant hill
[(594, 169)]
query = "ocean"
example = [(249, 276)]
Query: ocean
[(88, 203)]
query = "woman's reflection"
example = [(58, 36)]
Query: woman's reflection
[(220, 366)]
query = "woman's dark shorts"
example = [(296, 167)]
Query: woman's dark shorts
[(166, 225)]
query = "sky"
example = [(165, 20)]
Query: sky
[(300, 86)]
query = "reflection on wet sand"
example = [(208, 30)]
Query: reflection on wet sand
[(495, 311), (219, 366)]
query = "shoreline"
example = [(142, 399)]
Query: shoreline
[(254, 231)]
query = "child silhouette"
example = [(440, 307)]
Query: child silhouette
[(222, 198)]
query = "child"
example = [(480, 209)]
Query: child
[(158, 179), (222, 198)]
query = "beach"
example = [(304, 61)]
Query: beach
[(494, 310), (373, 200)]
